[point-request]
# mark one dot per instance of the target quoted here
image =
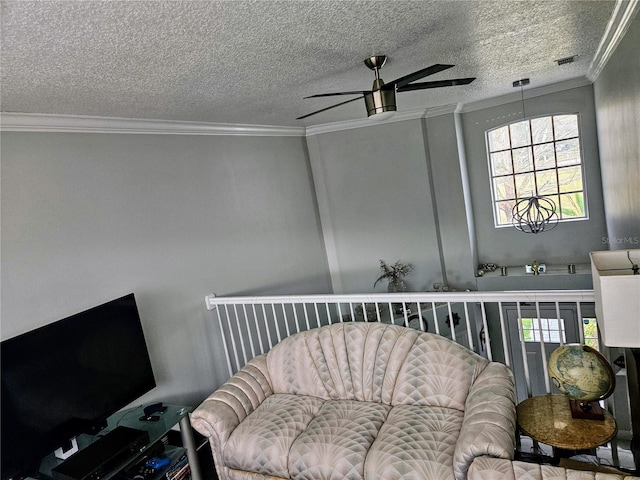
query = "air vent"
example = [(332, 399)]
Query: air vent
[(521, 83), (565, 60)]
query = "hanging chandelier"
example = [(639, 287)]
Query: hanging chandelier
[(534, 215)]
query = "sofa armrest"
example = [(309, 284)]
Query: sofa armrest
[(225, 408), (489, 424), (487, 468)]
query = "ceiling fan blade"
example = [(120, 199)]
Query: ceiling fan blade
[(359, 92), (412, 77), (328, 108), (436, 84)]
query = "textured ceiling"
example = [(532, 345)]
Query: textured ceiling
[(252, 62)]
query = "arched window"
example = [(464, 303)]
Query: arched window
[(537, 157)]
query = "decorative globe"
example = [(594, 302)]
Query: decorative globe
[(581, 372)]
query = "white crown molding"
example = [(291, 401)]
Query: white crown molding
[(530, 93), (362, 122), (623, 14), (35, 122), (442, 110)]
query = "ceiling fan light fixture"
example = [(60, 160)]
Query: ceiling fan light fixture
[(380, 101), (381, 104)]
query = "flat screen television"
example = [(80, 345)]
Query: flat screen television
[(66, 378)]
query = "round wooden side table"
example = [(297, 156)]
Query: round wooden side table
[(547, 419)]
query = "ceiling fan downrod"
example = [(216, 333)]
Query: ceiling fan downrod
[(380, 103)]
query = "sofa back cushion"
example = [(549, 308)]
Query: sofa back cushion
[(374, 362)]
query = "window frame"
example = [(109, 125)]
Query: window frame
[(531, 147)]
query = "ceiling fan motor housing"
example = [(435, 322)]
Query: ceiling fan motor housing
[(380, 100)]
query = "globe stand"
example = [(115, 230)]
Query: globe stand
[(586, 410)]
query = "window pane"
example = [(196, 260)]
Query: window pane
[(504, 188), (520, 134), (501, 163), (522, 160), (499, 139), (568, 152), (590, 332), (525, 186), (570, 179), (556, 202), (541, 130), (547, 182), (504, 212), (565, 126), (572, 205), (544, 156)]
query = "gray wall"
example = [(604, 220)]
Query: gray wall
[(375, 201), (454, 218), (90, 217), (569, 242), (617, 97), (419, 191)]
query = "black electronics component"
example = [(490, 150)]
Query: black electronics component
[(103, 455), (154, 408)]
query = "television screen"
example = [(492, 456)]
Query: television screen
[(66, 378)]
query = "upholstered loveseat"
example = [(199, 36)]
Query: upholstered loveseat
[(360, 401)]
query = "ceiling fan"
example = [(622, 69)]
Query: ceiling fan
[(380, 101)]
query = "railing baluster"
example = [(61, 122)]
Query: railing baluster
[(404, 314), (275, 322), (468, 322), (422, 320), (505, 340), (435, 317), (286, 319), (487, 337), (543, 350), (306, 315), (255, 321), (329, 316), (224, 343), (249, 333), (315, 309), (266, 326), (237, 320), (523, 348), (295, 317), (452, 324), (232, 335), (560, 324), (580, 322)]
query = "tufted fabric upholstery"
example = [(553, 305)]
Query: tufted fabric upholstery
[(360, 401), (486, 468)]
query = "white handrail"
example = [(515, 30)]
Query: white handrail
[(211, 301)]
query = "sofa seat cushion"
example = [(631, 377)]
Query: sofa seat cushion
[(336, 442), (416, 442), (262, 441)]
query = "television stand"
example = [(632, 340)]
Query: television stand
[(129, 440)]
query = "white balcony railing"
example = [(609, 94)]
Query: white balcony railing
[(252, 325)]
